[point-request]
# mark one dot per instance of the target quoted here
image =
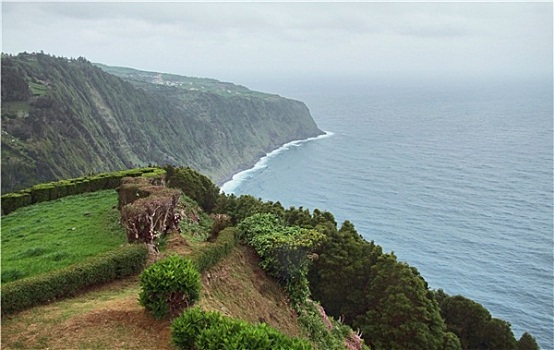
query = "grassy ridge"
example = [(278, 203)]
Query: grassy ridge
[(46, 237)]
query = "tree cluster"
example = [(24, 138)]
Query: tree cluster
[(388, 300), (193, 184), (476, 328)]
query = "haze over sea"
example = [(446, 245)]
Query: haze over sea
[(455, 178)]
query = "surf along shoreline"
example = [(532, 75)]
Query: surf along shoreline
[(231, 182)]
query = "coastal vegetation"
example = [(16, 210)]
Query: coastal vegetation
[(170, 260), (312, 259)]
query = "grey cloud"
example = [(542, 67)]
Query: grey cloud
[(228, 40)]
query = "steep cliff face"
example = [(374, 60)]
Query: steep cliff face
[(64, 118)]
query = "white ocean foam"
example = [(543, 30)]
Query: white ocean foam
[(238, 178)]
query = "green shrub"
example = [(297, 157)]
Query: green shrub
[(284, 251), (329, 334), (193, 184), (186, 328), (196, 329), (169, 286), (33, 291)]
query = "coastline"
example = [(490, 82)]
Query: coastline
[(243, 167), (231, 181)]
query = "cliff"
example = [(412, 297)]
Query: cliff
[(65, 118)]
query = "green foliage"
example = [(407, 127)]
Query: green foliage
[(33, 291), (52, 235), (527, 342), (388, 300), (284, 251), (14, 86), (319, 332), (193, 184), (344, 260), (186, 328), (396, 308), (400, 313), (259, 225), (241, 207), (474, 325), (169, 286), (197, 329)]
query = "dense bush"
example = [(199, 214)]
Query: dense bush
[(193, 184), (169, 286), (54, 190), (327, 333), (284, 251), (21, 294), (388, 300), (197, 329)]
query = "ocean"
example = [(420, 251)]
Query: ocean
[(455, 178)]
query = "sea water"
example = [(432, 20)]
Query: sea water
[(455, 178)]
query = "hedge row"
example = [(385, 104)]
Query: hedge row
[(226, 241), (118, 263), (54, 190)]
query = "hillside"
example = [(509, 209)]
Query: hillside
[(259, 262), (64, 118), (89, 320)]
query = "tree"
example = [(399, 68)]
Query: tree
[(193, 184), (527, 342), (401, 314), (475, 326), (466, 319), (497, 334), (344, 260)]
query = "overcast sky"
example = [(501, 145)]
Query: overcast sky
[(241, 42)]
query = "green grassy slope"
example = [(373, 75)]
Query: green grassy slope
[(52, 235)]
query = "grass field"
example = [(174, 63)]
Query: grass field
[(52, 235), (38, 89)]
